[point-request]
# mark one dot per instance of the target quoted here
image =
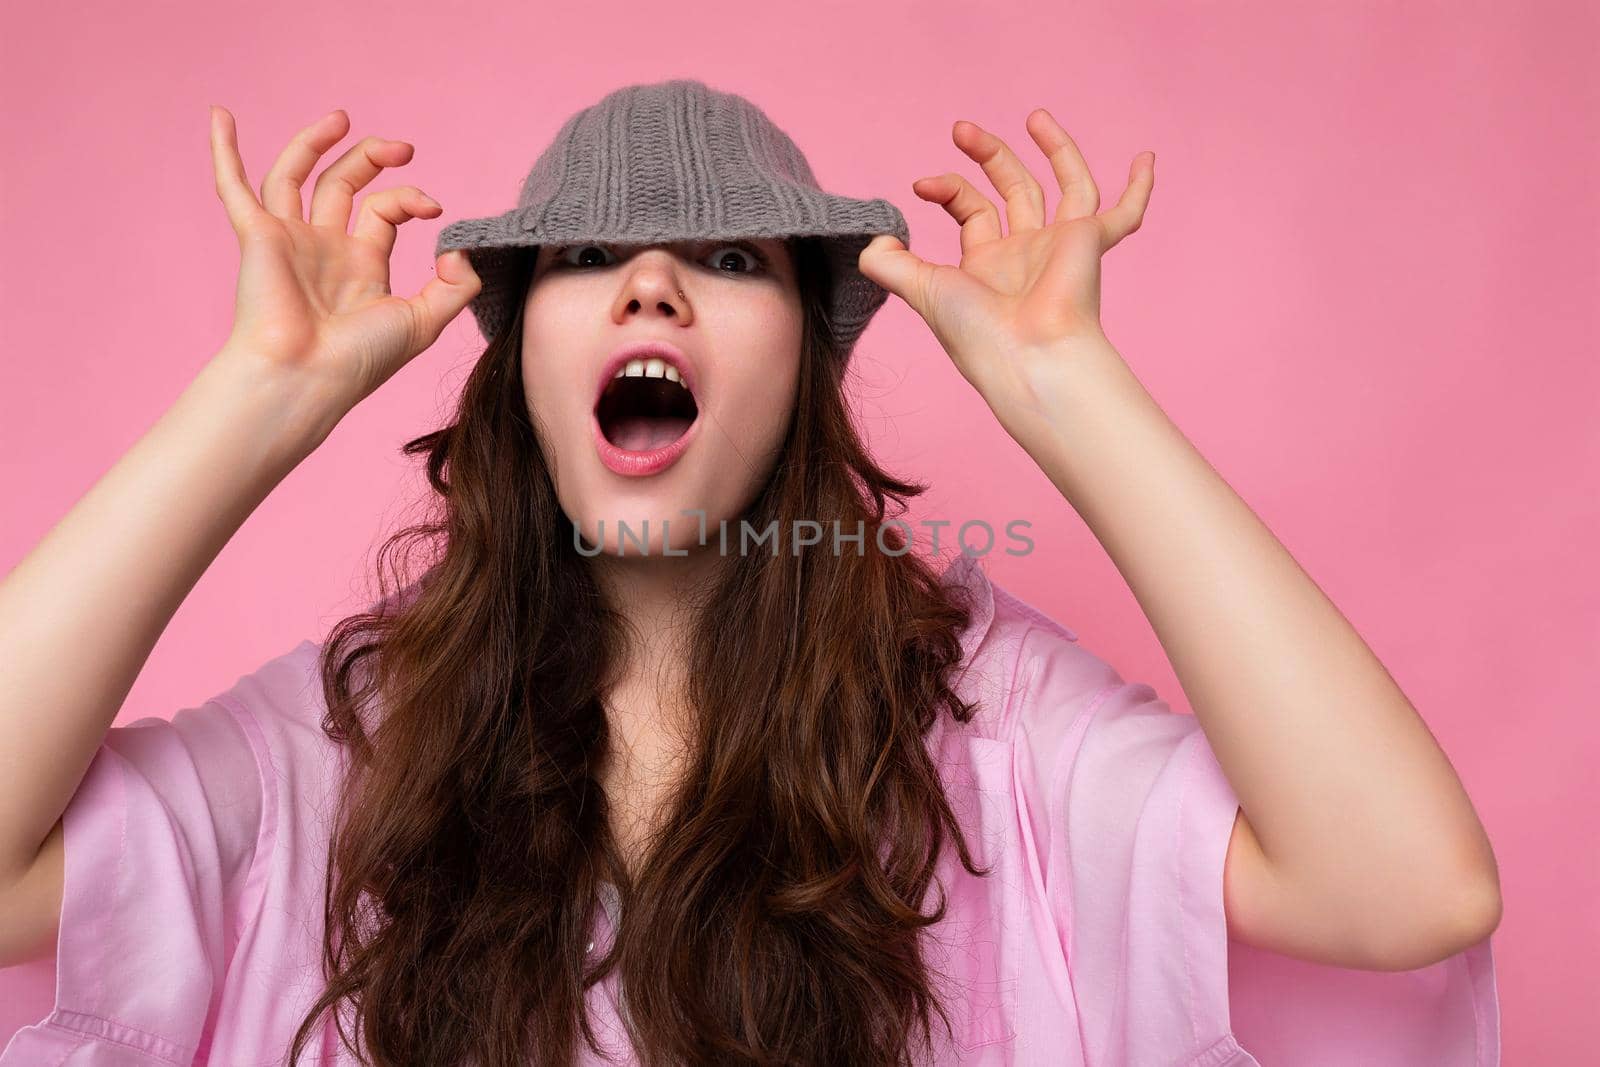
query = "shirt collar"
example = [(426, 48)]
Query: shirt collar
[(965, 571)]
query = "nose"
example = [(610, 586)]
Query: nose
[(651, 287)]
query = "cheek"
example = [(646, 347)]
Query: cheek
[(760, 405), (555, 383), (760, 396), (555, 397)]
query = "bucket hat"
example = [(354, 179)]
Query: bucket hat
[(676, 160)]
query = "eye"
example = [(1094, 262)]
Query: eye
[(586, 253), (562, 255), (758, 262)]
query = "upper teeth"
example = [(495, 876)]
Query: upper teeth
[(650, 368)]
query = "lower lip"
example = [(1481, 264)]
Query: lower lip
[(640, 464)]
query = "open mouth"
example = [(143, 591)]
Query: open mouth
[(640, 411)]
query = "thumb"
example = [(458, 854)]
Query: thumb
[(452, 288), (896, 268)]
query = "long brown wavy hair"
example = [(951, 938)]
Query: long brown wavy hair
[(776, 918)]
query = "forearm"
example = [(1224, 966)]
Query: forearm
[(1340, 779), (81, 612)]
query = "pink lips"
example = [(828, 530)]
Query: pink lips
[(639, 464)]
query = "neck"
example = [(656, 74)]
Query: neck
[(659, 598)]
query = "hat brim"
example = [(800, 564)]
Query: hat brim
[(845, 225)]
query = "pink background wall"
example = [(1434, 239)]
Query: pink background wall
[(1366, 288)]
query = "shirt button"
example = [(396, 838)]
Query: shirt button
[(591, 946)]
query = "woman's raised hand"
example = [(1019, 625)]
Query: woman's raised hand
[(313, 297), (1019, 307)]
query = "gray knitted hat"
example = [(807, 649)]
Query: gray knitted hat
[(673, 161)]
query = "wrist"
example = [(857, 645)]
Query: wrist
[(292, 414), (1055, 390)]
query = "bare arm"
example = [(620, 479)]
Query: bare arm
[(1361, 848), (81, 612), (315, 332)]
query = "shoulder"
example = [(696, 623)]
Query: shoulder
[(281, 704), (1018, 658), (287, 686)]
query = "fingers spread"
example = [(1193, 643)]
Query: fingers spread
[(1129, 212), (1078, 193), (280, 190), (386, 209), (344, 177), (979, 218), (1024, 199), (238, 199)]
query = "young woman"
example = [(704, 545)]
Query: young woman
[(670, 751)]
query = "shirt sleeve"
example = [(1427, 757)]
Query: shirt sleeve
[(1132, 816), (160, 842)]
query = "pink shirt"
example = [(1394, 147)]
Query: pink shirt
[(195, 849)]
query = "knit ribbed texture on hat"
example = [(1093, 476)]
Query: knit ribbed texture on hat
[(673, 161)]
